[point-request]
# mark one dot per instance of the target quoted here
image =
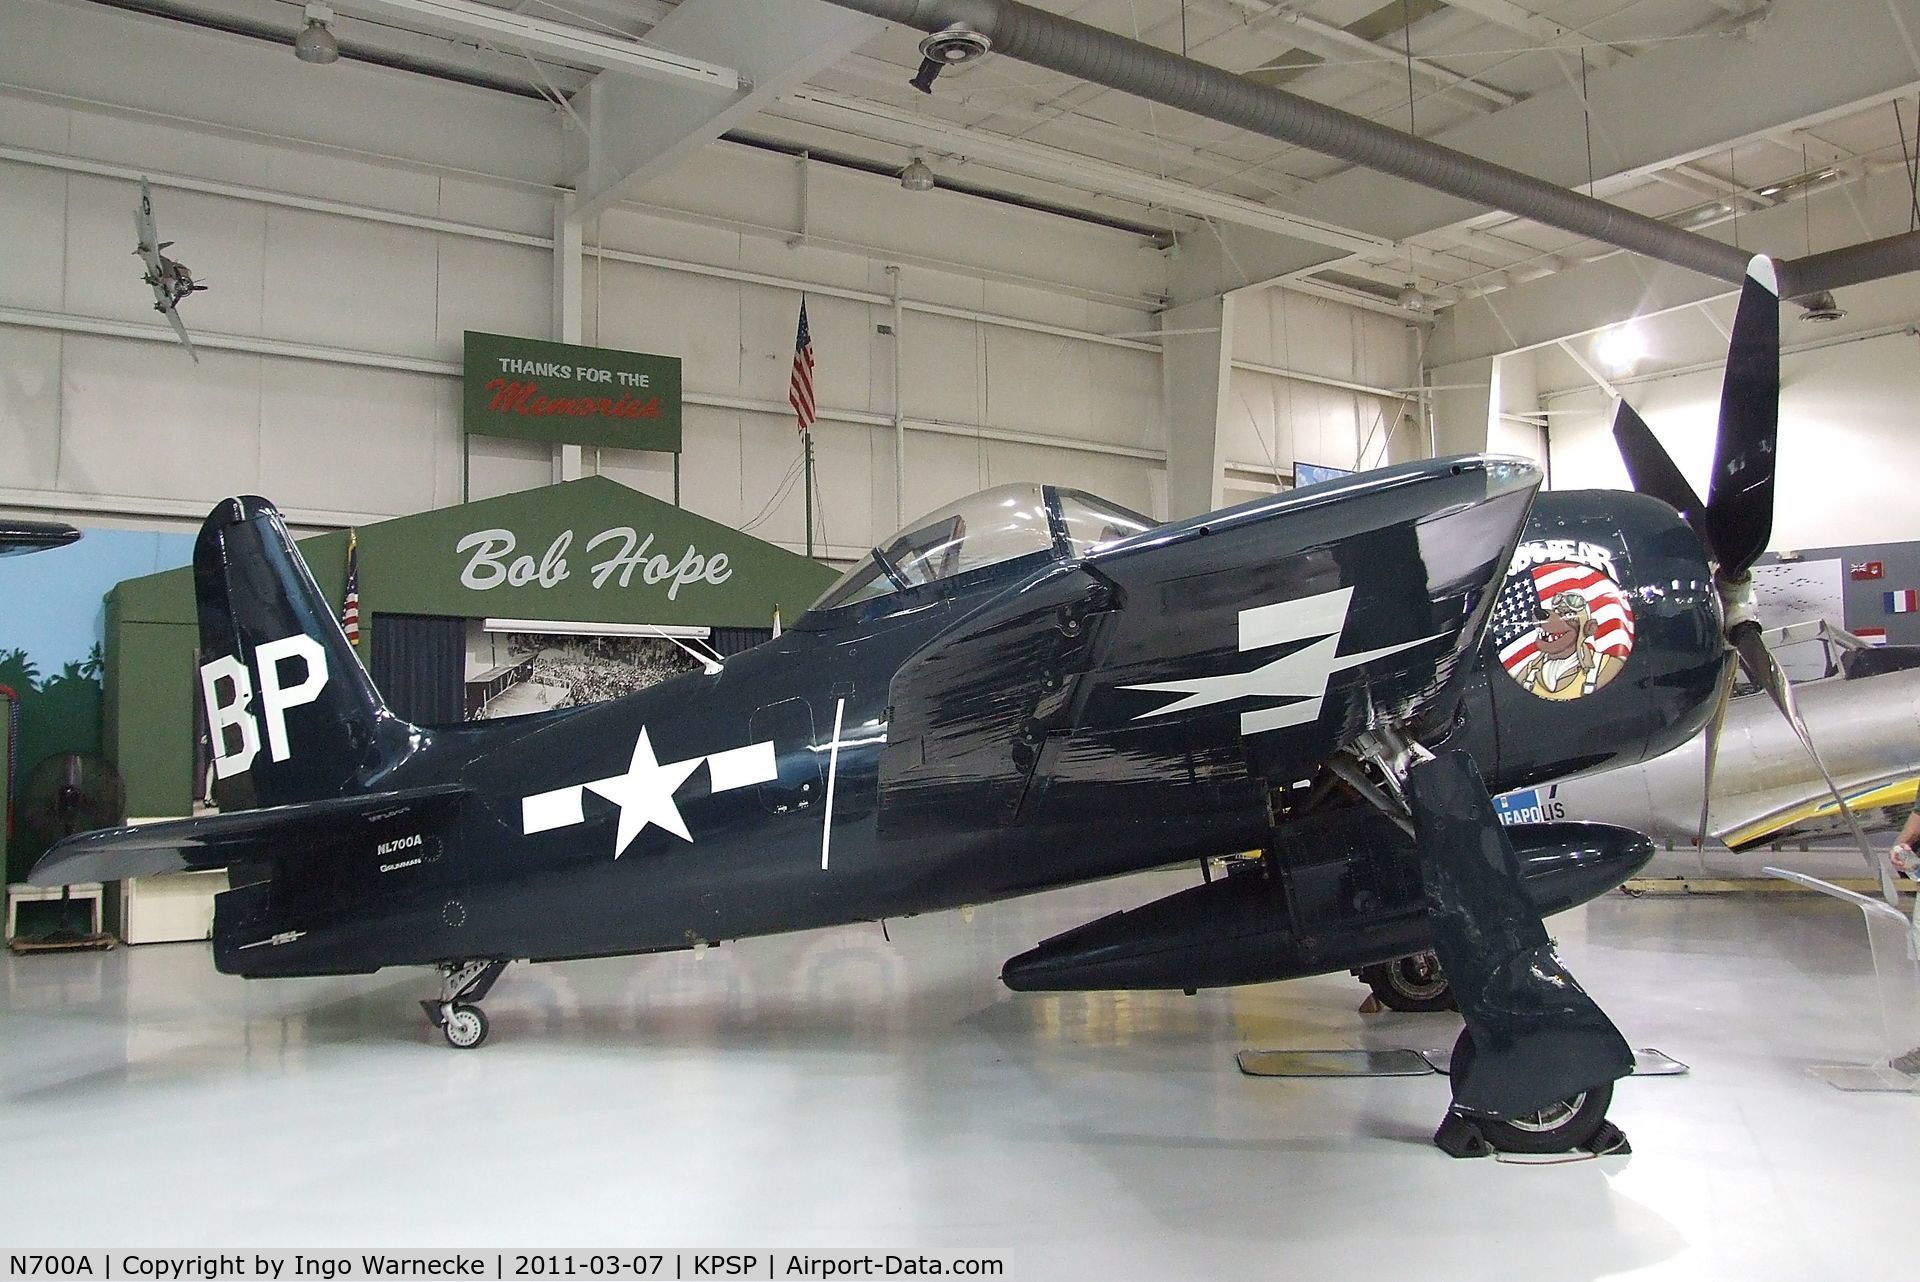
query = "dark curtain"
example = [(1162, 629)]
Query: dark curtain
[(420, 666), (728, 641)]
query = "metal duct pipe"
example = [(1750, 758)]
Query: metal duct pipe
[(1076, 49), (1852, 265)]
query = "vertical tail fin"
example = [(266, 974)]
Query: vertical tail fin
[(292, 713)]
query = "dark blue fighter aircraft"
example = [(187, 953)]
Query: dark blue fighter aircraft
[(1028, 689)]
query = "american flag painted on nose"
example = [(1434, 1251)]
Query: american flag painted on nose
[(1515, 623)]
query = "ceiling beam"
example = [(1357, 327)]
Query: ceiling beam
[(1616, 287), (1381, 61), (1543, 32), (1668, 103), (879, 122), (575, 45), (638, 130)]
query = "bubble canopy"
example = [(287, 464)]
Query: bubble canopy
[(1005, 524)]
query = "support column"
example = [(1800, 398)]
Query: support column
[(568, 307), (899, 405), (1195, 365), (1462, 406)]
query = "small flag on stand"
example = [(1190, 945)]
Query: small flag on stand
[(1903, 601), (800, 387), (350, 608)]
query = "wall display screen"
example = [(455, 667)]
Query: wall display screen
[(562, 393)]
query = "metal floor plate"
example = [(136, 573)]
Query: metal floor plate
[(1647, 1062), (1397, 1063), (1867, 1079)]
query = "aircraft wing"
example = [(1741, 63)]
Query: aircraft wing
[(1798, 814), (173, 319), (407, 819), (1169, 672), (147, 238)]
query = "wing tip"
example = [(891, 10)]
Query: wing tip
[(1761, 271)]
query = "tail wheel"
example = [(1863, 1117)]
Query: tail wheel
[(1560, 1126), (1411, 983), (465, 1027)]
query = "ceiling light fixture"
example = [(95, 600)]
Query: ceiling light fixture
[(952, 46), (1620, 348), (916, 176), (1820, 307), (315, 43)]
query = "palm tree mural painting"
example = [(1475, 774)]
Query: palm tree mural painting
[(58, 713)]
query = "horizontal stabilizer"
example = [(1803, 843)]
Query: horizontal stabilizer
[(280, 833)]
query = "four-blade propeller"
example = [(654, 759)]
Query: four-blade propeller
[(1736, 521)]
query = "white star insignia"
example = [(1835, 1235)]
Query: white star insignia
[(645, 794)]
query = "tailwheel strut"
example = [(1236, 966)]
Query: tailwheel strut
[(456, 1012)]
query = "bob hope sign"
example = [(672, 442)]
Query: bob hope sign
[(557, 392)]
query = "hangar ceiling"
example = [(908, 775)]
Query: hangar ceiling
[(1769, 122)]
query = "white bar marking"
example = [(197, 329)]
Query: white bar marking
[(833, 772), (1314, 616), (741, 767), (548, 810)]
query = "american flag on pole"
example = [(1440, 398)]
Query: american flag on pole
[(1516, 614), (350, 608), (800, 388)]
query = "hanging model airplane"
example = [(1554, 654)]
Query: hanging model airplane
[(171, 280), (1029, 689), (20, 537)]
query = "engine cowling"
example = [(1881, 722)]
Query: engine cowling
[(1605, 644)]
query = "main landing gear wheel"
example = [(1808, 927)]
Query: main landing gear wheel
[(1558, 1128), (1413, 983), (454, 1013), (465, 1027)]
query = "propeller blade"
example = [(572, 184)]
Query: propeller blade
[(1740, 495), (1723, 692), (1765, 671), (1652, 468)]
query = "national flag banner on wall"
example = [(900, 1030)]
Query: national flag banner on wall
[(350, 608), (800, 387), (1903, 601)]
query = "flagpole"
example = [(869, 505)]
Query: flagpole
[(806, 483)]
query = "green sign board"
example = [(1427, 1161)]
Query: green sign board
[(559, 392)]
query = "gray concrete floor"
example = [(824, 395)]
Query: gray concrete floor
[(833, 1089)]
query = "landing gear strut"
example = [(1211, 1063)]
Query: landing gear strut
[(1535, 1071), (455, 1014)]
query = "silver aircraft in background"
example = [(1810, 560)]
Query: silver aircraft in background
[(172, 283), (1767, 792)]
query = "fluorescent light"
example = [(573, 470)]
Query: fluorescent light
[(571, 628)]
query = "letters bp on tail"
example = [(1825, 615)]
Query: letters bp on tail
[(1028, 689)]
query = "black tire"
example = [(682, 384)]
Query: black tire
[(1413, 983), (1559, 1128), (465, 1027)]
